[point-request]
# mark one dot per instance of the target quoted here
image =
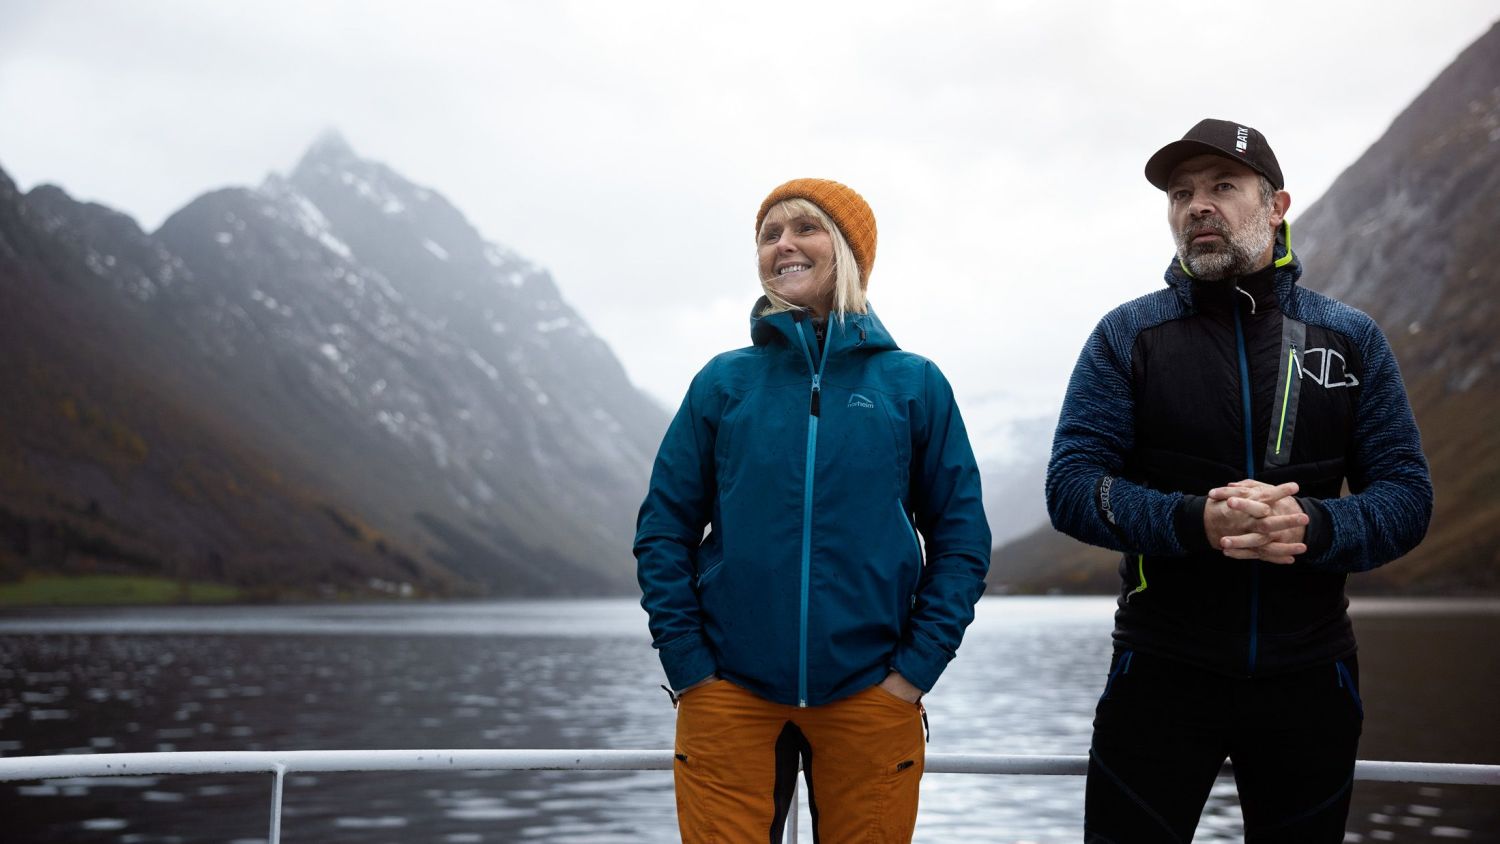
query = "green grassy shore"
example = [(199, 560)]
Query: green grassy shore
[(109, 589)]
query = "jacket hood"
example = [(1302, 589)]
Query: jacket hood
[(1287, 266), (862, 331)]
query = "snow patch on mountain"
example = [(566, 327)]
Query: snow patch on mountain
[(484, 366)]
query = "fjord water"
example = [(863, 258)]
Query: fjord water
[(580, 674)]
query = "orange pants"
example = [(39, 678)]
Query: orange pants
[(737, 758)]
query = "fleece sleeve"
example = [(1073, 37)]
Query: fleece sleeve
[(950, 515), (1391, 502), (1086, 497), (669, 528)]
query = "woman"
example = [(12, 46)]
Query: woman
[(805, 622)]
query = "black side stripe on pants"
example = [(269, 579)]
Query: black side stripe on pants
[(791, 746), (1166, 829)]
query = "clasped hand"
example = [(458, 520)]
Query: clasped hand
[(1252, 520)]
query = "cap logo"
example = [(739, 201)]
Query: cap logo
[(1241, 139)]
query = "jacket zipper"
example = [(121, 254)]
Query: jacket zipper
[(1140, 570), (916, 546), (814, 411), (1239, 339)]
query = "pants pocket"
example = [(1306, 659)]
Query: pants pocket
[(1119, 667), (1348, 680), (891, 696)]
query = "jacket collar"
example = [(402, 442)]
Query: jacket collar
[(1270, 286), (854, 331)]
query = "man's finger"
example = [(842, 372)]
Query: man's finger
[(1244, 540), (1286, 557), (1281, 549), (1256, 554), (1250, 507), (1268, 493), (1271, 552), (1274, 524), (1255, 490)]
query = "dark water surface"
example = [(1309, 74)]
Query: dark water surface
[(580, 674)]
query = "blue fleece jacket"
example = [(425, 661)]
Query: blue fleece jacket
[(1206, 383)]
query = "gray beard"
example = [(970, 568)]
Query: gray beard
[(1236, 256)]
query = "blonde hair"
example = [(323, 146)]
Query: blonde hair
[(848, 293)]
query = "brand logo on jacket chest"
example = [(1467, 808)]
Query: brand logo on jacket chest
[(858, 400), (1326, 367)]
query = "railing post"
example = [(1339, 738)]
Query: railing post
[(276, 804)]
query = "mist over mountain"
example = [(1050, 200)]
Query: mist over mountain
[(327, 384), (1406, 234), (1012, 466)]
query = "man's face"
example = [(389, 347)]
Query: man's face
[(1222, 225)]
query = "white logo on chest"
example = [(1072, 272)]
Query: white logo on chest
[(1325, 367)]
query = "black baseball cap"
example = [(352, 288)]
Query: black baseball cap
[(1217, 137)]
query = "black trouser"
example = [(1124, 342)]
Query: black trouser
[(1163, 729)]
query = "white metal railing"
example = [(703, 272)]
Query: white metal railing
[(281, 763)]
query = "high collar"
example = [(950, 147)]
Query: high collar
[(1269, 286), (1258, 288), (854, 331)]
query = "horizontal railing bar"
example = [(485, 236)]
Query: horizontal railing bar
[(323, 761), (309, 761), (1433, 773)]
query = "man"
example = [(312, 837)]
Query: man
[(1207, 432)]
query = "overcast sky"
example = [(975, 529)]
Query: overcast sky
[(627, 145)]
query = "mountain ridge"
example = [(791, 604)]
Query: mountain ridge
[(414, 389)]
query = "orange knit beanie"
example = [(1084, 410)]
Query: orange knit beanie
[(847, 208)]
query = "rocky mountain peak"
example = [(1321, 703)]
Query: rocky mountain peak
[(329, 147), (350, 334)]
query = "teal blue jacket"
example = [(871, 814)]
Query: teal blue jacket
[(814, 474)]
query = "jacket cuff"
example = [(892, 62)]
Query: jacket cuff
[(687, 659), (1318, 535), (920, 666), (1188, 521)]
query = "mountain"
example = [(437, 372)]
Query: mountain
[(1014, 501), (329, 383), (109, 466), (1047, 562), (1012, 470), (1407, 234)]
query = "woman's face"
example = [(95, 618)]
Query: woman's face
[(796, 259)]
